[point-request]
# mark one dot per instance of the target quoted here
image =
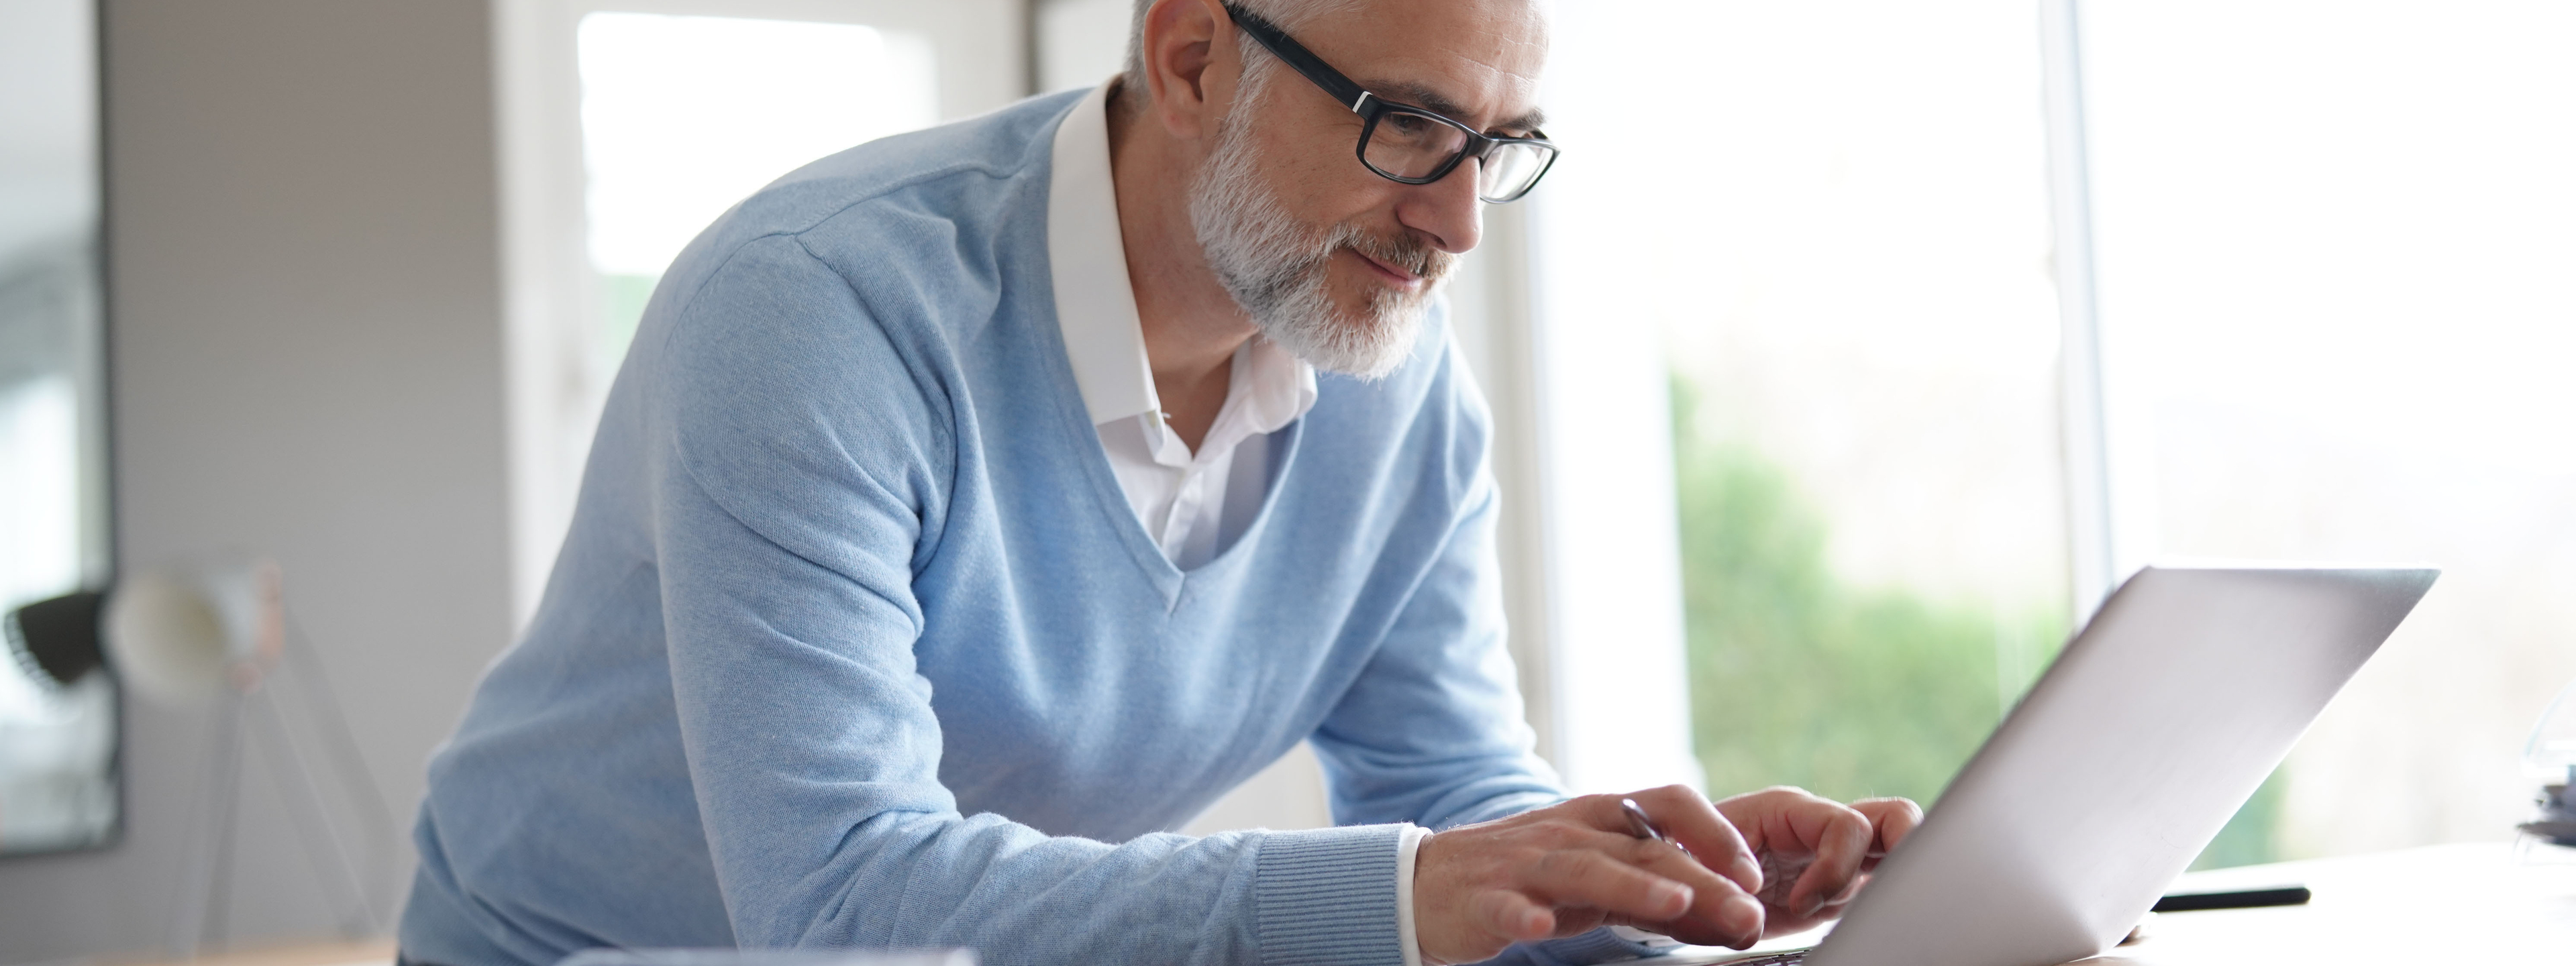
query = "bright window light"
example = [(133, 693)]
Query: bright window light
[(40, 445), (57, 741), (2333, 242), (1833, 217), (682, 117)]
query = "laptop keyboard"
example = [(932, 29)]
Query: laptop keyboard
[(1710, 956)]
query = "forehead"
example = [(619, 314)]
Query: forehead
[(1476, 60)]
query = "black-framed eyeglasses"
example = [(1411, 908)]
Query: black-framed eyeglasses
[(1407, 144)]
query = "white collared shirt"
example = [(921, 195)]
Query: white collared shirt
[(1194, 504)]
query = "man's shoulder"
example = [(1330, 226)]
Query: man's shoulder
[(957, 159)]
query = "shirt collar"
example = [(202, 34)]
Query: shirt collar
[(1095, 303)]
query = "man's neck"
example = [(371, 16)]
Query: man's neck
[(1192, 327)]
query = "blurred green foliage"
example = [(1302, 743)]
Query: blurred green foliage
[(2248, 837), (1799, 678)]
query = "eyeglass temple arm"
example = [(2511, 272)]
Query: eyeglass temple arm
[(1286, 48)]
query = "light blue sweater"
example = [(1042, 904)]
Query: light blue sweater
[(856, 642)]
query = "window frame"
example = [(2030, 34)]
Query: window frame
[(556, 383)]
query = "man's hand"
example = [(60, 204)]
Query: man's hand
[(1568, 868), (1819, 850)]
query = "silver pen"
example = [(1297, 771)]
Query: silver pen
[(1642, 825)]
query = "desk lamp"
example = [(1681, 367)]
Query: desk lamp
[(57, 639), (217, 634)]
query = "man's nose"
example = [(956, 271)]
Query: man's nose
[(1447, 210)]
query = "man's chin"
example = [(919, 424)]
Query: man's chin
[(1367, 344), (1344, 316)]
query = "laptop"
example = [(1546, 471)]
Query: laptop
[(2143, 738)]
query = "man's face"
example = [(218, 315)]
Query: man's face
[(1334, 262)]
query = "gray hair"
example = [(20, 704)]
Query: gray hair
[(1288, 14)]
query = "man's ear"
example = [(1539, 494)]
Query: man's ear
[(1191, 65)]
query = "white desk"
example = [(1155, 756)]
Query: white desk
[(2451, 905), (370, 952), (2470, 905)]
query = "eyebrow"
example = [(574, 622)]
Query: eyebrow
[(1430, 100)]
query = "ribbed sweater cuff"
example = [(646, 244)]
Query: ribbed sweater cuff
[(1327, 895)]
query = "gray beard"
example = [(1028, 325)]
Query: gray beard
[(1277, 268)]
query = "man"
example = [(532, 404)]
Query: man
[(970, 512)]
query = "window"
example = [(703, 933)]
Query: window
[(630, 125), (58, 719), (2323, 248), (1828, 233), (2333, 245), (683, 116)]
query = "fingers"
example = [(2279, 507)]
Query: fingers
[(1892, 819), (1567, 868), (1714, 861), (1833, 906), (1598, 880), (1720, 911), (1822, 842), (1842, 844), (1687, 816), (1578, 863)]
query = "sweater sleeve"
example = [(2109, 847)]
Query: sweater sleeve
[(802, 459), (1432, 731)]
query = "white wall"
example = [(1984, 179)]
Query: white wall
[(306, 362), (1080, 42)]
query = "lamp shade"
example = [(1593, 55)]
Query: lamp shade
[(184, 634), (58, 638)]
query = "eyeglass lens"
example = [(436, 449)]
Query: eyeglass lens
[(1412, 146), (1509, 169), (1409, 145)]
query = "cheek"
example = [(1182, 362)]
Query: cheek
[(1318, 177)]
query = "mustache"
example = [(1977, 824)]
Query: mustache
[(1405, 251)]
